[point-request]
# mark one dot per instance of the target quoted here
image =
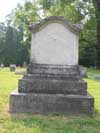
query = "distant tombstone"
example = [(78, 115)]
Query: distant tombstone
[(97, 76), (20, 72), (2, 65), (24, 64), (12, 67), (83, 71), (53, 83)]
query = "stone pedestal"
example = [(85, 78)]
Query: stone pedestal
[(52, 89), (51, 103)]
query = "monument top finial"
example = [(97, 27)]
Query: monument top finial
[(35, 27)]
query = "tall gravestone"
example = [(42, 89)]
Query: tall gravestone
[(53, 83)]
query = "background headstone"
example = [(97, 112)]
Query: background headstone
[(83, 71), (2, 65), (97, 76), (12, 67), (24, 64), (20, 72)]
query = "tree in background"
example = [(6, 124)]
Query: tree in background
[(15, 36), (64, 8), (96, 4), (2, 41), (11, 49), (78, 11), (23, 16)]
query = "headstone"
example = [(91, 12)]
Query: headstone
[(2, 65), (12, 67), (97, 76), (83, 71), (20, 72), (53, 83), (24, 64)]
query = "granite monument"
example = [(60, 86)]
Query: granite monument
[(53, 83)]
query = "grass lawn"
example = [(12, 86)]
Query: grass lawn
[(46, 124)]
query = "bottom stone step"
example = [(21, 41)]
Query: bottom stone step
[(51, 103)]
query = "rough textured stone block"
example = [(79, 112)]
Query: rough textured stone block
[(53, 69), (52, 86), (52, 79), (46, 103)]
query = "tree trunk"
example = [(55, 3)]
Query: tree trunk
[(97, 13)]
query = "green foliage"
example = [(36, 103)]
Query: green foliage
[(15, 37), (18, 35), (24, 14), (11, 49), (88, 43), (97, 14), (64, 8)]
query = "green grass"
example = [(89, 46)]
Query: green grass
[(32, 123)]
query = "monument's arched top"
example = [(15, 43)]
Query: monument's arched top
[(55, 41), (75, 28)]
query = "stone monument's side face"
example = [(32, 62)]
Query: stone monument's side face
[(54, 44)]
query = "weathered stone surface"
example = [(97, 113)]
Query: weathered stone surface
[(53, 69), (49, 44), (75, 28), (52, 86), (53, 83), (52, 79), (46, 103)]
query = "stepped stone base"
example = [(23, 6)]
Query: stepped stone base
[(51, 103), (52, 89), (52, 86), (52, 79)]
